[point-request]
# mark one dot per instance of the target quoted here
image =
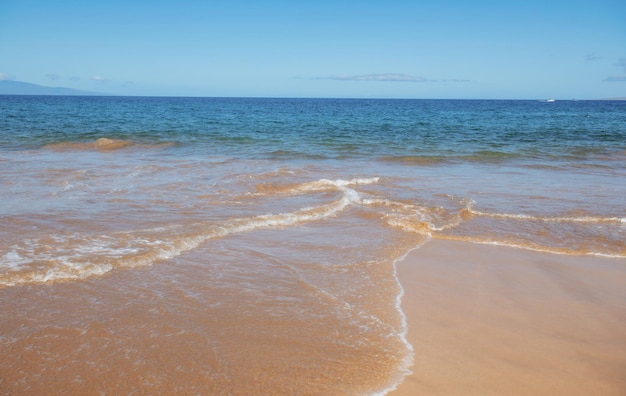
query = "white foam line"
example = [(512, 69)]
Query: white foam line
[(561, 219), (325, 184), (407, 362), (69, 269), (539, 249)]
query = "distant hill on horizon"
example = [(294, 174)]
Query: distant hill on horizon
[(11, 87), (8, 87)]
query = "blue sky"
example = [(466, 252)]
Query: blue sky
[(382, 49)]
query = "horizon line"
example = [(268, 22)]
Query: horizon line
[(111, 95)]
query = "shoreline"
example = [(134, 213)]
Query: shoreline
[(495, 320)]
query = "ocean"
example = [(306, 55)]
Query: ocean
[(249, 246)]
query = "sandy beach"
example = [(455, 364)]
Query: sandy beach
[(491, 320), (263, 246)]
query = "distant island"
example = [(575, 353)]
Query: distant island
[(8, 87)]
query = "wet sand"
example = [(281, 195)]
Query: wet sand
[(491, 320)]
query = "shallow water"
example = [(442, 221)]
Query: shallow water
[(247, 246)]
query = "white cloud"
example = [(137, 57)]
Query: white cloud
[(592, 57), (376, 77), (99, 78), (6, 77), (388, 77), (615, 78), (621, 63)]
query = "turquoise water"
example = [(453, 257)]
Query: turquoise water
[(325, 128), (136, 232)]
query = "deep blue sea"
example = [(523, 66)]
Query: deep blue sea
[(260, 236), (444, 130)]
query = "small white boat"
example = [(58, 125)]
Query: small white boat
[(550, 100)]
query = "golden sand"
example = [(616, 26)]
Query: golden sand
[(490, 320)]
